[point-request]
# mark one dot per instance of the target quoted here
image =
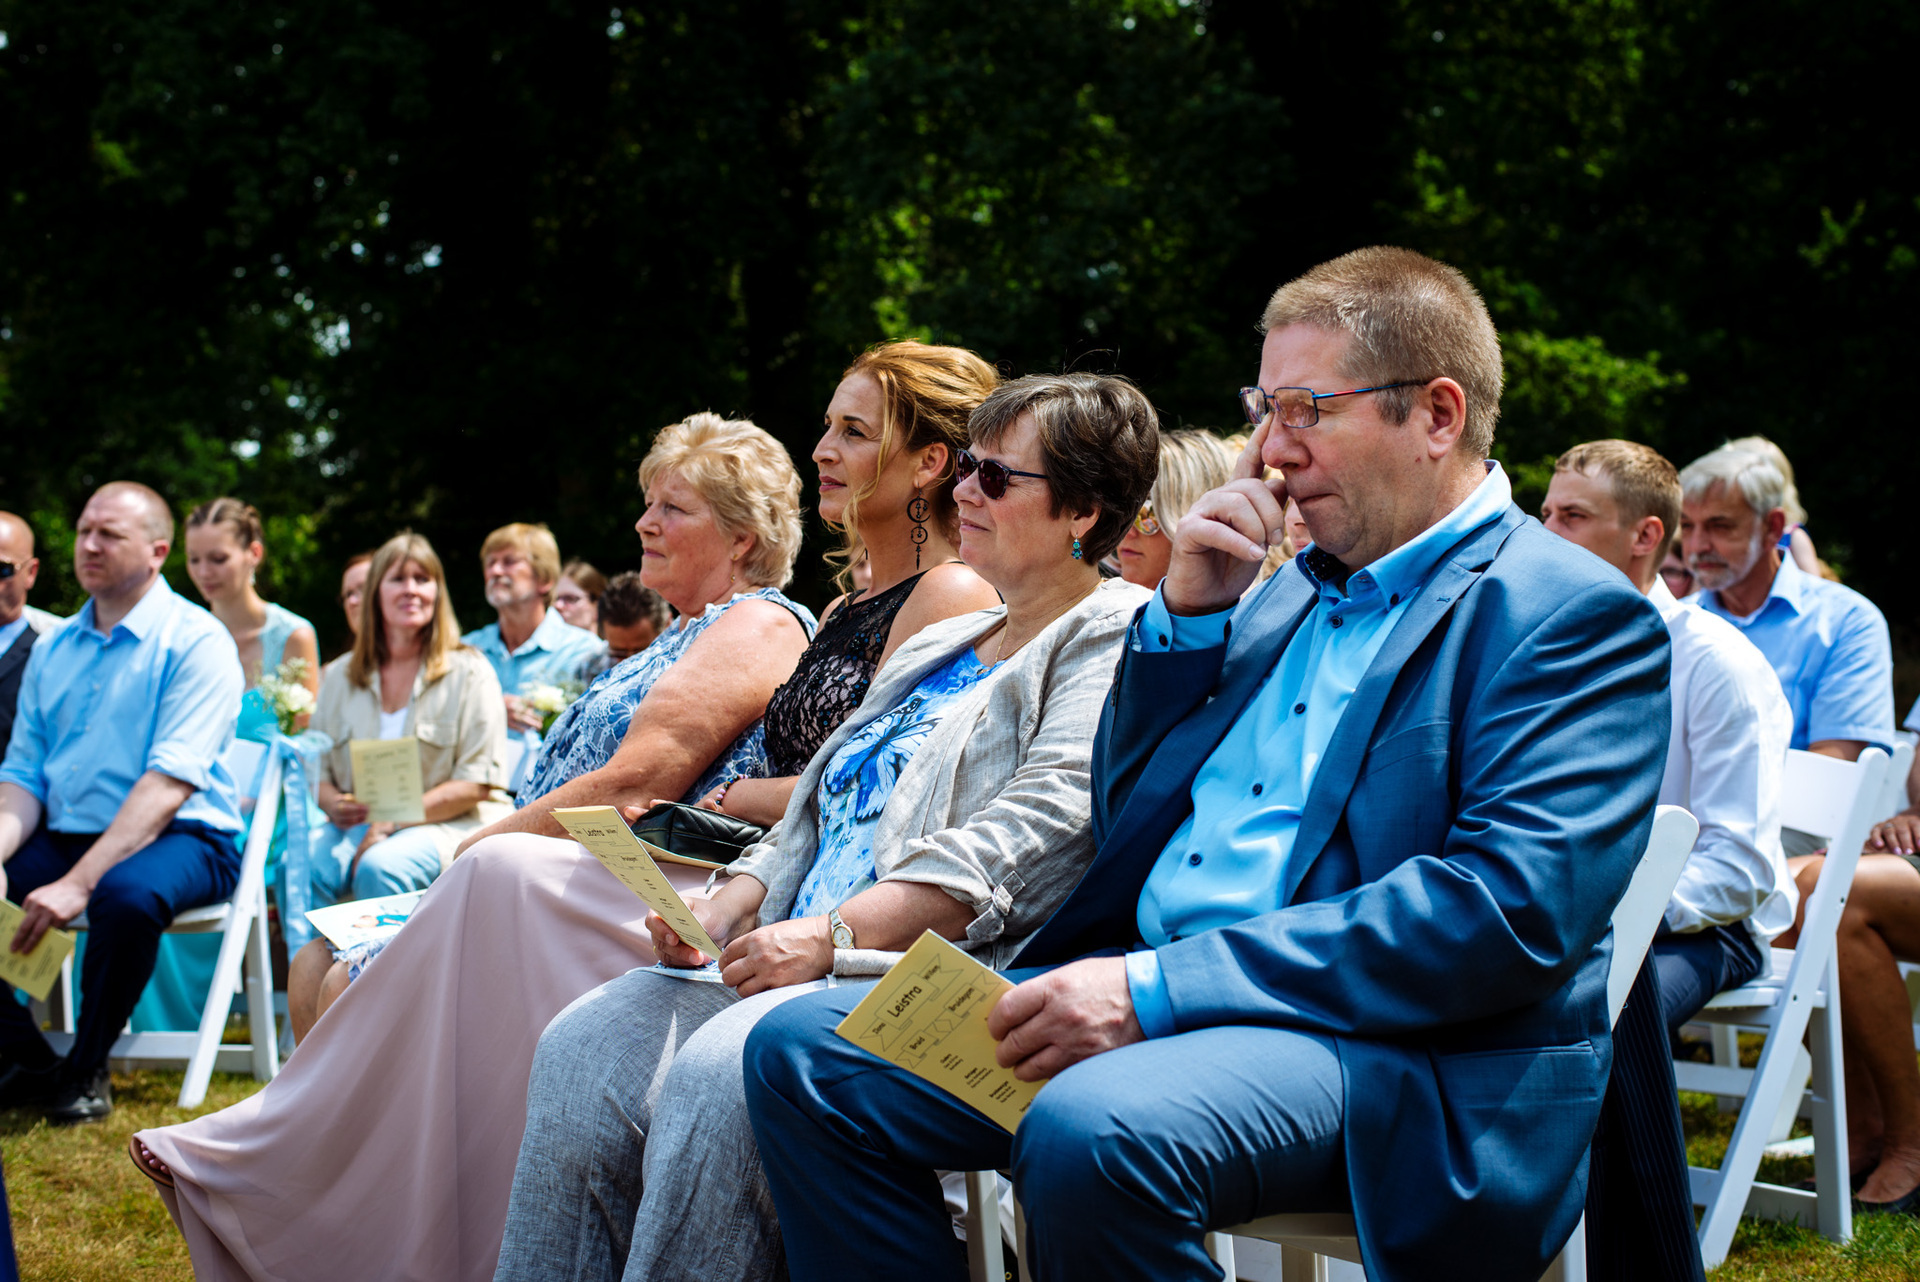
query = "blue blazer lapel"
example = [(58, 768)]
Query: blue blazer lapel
[(1333, 781), (1102, 907), (1260, 631)]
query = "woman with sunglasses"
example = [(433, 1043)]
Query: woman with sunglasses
[(956, 799), (1192, 461)]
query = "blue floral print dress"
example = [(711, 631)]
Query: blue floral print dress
[(856, 784)]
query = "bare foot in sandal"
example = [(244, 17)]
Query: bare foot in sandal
[(149, 1165)]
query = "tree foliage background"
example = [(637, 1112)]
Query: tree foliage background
[(451, 264)]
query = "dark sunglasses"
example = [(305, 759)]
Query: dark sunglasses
[(993, 476), (8, 569)]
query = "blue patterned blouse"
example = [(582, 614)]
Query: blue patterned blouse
[(856, 784), (586, 735)]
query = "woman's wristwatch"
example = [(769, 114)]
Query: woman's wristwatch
[(838, 930)]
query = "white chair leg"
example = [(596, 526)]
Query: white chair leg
[(985, 1260), (1220, 1247), (261, 1017), (213, 1018), (1737, 1169), (66, 1022), (1834, 1209)]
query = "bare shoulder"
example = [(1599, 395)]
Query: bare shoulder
[(751, 623), (946, 591)]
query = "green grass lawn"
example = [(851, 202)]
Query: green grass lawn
[(81, 1213)]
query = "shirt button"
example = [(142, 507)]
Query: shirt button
[(1299, 708), (1258, 789), (1163, 638), (1194, 859), (1394, 599), (1336, 620)]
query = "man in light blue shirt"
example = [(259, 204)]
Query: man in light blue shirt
[(529, 644), (1828, 644), (114, 797)]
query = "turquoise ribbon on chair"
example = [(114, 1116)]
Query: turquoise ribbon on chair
[(300, 757)]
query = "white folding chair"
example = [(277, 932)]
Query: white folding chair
[(1307, 1242), (1799, 996), (242, 922)]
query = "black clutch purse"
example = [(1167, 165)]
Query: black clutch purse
[(690, 835)]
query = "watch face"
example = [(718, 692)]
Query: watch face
[(842, 937)]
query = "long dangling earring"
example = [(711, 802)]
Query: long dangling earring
[(917, 511), (1077, 554)]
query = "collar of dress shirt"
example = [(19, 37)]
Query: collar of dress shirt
[(1398, 574), (1663, 599), (140, 620)]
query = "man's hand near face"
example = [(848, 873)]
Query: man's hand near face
[(1055, 1020), (1220, 543)]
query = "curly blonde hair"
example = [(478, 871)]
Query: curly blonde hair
[(746, 477)]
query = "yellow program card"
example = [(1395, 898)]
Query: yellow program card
[(34, 971), (929, 1015), (386, 780), (606, 835)]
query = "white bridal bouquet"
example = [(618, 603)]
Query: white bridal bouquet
[(286, 694)]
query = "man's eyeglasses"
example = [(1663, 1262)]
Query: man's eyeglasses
[(1300, 406), (1144, 523), (993, 476), (8, 569)]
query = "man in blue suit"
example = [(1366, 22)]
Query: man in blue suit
[(1344, 944)]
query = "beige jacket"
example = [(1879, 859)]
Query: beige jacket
[(460, 721), (996, 805)]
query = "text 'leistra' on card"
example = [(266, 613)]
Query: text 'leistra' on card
[(929, 1015)]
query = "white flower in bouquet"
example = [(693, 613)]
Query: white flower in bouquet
[(551, 700), (286, 693)]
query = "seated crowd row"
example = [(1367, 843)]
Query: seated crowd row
[(1300, 874)]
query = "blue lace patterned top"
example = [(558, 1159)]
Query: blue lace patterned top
[(586, 735), (856, 784)]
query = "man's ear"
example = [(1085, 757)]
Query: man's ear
[(1775, 525), (1648, 534), (1446, 405)]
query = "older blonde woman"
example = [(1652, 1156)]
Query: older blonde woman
[(386, 1147), (956, 799), (1192, 461)]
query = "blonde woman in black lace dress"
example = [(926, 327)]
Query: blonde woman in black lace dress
[(894, 427)]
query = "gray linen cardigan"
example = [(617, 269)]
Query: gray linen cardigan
[(996, 805)]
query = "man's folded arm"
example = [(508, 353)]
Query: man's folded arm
[(1558, 764)]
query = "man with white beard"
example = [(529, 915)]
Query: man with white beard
[(1827, 643)]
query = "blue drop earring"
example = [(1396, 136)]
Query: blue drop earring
[(1077, 554)]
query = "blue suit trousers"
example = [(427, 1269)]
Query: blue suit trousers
[(1123, 1162), (186, 866)]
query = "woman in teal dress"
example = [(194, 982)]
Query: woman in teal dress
[(224, 548)]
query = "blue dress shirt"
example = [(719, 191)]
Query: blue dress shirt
[(1231, 859), (553, 654), (1830, 648), (160, 692)]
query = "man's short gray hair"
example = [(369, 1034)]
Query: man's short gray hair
[(1752, 474)]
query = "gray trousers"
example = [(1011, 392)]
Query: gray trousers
[(638, 1160)]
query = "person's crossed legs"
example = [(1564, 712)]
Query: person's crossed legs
[(1123, 1162)]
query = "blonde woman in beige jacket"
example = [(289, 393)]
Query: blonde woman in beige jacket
[(955, 799)]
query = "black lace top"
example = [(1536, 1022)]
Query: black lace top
[(830, 680)]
